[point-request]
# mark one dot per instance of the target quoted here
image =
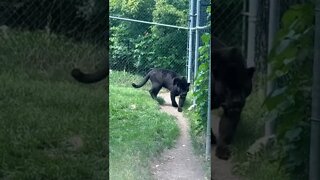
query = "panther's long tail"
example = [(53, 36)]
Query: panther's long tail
[(90, 77), (143, 82)]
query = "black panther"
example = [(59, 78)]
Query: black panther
[(99, 75), (176, 84), (231, 85)]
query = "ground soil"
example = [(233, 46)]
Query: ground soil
[(179, 162)]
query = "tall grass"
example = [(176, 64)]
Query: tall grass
[(51, 56), (51, 127)]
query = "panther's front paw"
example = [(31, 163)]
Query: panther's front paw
[(179, 109), (223, 152), (174, 104)]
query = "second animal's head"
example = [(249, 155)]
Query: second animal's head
[(231, 79)]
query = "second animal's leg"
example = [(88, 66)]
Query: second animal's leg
[(213, 138), (227, 128), (173, 99)]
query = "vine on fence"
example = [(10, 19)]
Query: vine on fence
[(202, 79), (291, 60)]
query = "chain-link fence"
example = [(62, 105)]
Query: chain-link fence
[(230, 26), (154, 35), (138, 46), (57, 27), (262, 26), (228, 22)]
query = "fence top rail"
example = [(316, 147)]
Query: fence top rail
[(160, 24)]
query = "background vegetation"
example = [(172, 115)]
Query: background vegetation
[(78, 19), (289, 103), (137, 47), (51, 127)]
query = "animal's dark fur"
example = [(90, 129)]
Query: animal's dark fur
[(231, 85), (176, 84)]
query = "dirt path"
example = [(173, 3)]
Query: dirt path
[(220, 169), (178, 163)]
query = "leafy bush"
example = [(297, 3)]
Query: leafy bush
[(137, 47), (291, 60), (202, 79)]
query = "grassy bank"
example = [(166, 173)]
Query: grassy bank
[(51, 127), (138, 130)]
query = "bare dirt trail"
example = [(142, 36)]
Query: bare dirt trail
[(220, 169), (178, 163)]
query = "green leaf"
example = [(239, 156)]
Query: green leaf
[(275, 98), (205, 38), (294, 134)]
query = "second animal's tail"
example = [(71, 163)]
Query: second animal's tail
[(143, 82), (90, 77)]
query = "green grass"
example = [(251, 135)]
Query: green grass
[(138, 130), (39, 122), (198, 139), (50, 55), (51, 127)]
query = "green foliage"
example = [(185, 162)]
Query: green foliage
[(137, 47), (202, 79), (291, 60)]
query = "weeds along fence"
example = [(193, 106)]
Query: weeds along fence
[(77, 21)]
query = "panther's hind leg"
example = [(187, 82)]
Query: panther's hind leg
[(155, 90)]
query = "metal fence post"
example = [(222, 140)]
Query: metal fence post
[(208, 131), (244, 27), (196, 53), (190, 46), (253, 6), (314, 160), (274, 20)]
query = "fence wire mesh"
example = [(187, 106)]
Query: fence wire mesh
[(261, 38), (32, 23), (136, 47), (228, 21)]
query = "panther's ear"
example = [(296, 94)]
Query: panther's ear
[(176, 80), (250, 72), (183, 78)]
